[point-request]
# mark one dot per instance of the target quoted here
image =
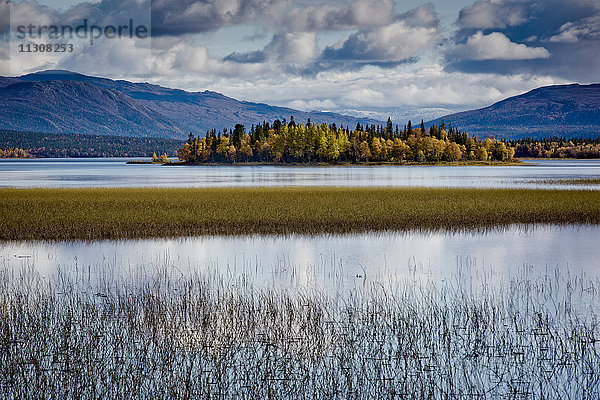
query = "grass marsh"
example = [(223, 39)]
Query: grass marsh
[(203, 337), (565, 181), (64, 214)]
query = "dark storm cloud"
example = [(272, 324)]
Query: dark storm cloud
[(531, 37), (179, 17), (251, 57)]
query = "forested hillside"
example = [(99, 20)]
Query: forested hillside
[(72, 103), (72, 145), (569, 111)]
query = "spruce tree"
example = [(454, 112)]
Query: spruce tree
[(238, 132), (389, 130)]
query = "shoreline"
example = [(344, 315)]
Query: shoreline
[(347, 164)]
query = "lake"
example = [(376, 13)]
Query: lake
[(332, 262), (113, 172), (500, 313), (327, 262)]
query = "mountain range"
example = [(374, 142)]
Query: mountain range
[(560, 110), (67, 102)]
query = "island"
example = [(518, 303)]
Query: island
[(292, 143)]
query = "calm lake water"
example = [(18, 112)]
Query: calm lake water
[(521, 302), (330, 262), (113, 172), (496, 289), (327, 262)]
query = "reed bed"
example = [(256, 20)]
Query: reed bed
[(64, 214), (168, 336), (568, 181)]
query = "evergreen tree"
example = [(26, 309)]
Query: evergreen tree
[(193, 147), (277, 126), (389, 130), (238, 132)]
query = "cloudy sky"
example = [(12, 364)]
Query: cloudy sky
[(365, 57)]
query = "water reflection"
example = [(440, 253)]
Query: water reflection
[(115, 173), (328, 262)]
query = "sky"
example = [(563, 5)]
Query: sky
[(402, 58)]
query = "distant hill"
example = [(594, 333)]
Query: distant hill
[(562, 110), (66, 102), (79, 107), (59, 145)]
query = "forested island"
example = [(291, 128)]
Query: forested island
[(289, 142)]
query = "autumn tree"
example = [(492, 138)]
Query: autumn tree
[(293, 142)]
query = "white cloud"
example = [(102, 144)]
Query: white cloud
[(177, 57), (585, 29), (369, 12), (372, 88), (556, 32), (395, 38), (490, 14), (28, 12), (373, 32), (105, 57), (313, 104), (496, 46), (299, 47), (339, 15), (395, 42), (177, 17), (398, 41)]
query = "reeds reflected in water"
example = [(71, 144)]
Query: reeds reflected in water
[(160, 334)]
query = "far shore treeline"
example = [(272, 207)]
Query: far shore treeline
[(15, 144), (290, 142), (556, 147)]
